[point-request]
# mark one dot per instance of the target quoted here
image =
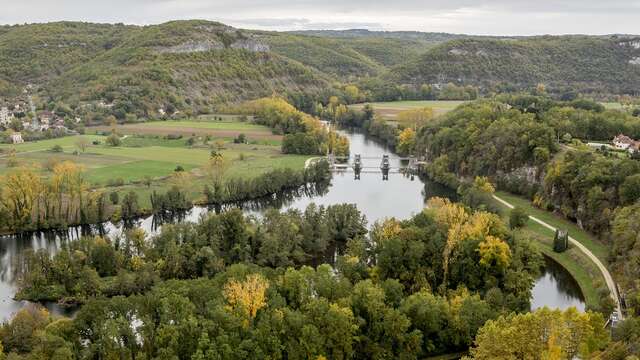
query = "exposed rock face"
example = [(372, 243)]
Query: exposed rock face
[(635, 43), (458, 52), (250, 45), (193, 46)]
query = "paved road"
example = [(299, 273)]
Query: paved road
[(603, 269)]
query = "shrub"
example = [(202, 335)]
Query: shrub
[(114, 198), (518, 218), (114, 140), (240, 139), (56, 148), (179, 168), (115, 182)]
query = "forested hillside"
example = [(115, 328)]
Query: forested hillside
[(584, 64), (197, 66)]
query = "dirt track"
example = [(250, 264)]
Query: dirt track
[(603, 269)]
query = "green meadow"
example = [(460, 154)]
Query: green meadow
[(151, 157)]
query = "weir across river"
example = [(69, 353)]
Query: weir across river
[(358, 166)]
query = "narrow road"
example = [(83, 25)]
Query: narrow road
[(603, 269)]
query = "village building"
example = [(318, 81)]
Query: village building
[(16, 138), (623, 142), (5, 116), (46, 117)]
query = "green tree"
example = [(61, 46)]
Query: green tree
[(630, 190), (113, 140), (130, 205), (518, 218)]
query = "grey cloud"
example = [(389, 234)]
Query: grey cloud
[(302, 24), (461, 16)]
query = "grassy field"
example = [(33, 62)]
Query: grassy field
[(612, 105), (227, 128), (66, 143), (150, 156), (390, 110), (583, 270)]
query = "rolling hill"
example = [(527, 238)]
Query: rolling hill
[(197, 65), (586, 64)]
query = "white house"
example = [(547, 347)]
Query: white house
[(16, 138), (46, 117), (5, 116), (623, 142)]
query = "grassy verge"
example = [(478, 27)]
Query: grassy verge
[(581, 268), (586, 239)]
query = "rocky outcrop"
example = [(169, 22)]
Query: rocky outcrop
[(211, 45), (455, 51), (192, 46), (250, 45), (634, 43)]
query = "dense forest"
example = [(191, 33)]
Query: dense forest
[(564, 64), (534, 146), (183, 68), (233, 287)]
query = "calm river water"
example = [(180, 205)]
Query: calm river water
[(399, 197)]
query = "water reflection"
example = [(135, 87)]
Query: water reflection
[(399, 196), (556, 288)]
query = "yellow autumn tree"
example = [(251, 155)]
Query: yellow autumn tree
[(406, 141), (247, 297), (415, 116), (338, 145), (386, 229), (542, 334), (69, 184), (453, 217), (461, 226), (494, 253), (483, 184), (20, 191), (216, 168), (352, 92)]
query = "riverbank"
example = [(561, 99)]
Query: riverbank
[(577, 262), (583, 264)]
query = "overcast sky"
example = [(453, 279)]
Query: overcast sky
[(495, 17)]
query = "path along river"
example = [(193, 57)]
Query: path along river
[(398, 197)]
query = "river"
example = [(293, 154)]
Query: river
[(399, 196)]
